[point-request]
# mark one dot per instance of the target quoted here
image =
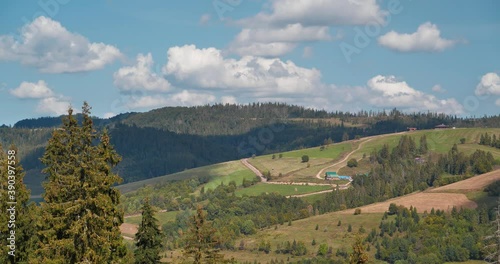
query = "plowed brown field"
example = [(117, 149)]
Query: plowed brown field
[(443, 198)]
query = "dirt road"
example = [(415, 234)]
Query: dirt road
[(255, 170), (339, 164)]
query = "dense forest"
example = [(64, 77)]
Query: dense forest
[(172, 139)]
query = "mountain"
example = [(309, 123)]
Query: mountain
[(172, 139)]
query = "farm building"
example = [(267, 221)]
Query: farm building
[(412, 129), (442, 126), (332, 175)]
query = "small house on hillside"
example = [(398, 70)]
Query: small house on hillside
[(332, 175), (411, 129), (442, 126)]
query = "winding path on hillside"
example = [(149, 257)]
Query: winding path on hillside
[(340, 164)]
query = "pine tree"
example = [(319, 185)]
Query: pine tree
[(17, 212), (149, 237), (201, 244), (80, 212)]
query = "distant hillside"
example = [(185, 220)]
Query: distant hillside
[(172, 139)]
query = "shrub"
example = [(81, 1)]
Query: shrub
[(305, 158), (352, 163), (357, 211)]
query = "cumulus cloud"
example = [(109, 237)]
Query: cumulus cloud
[(46, 45), (140, 77), (207, 68), (184, 98), (387, 91), (489, 85), (277, 31), (427, 38), (228, 100), (273, 49), (29, 90), (188, 98), (313, 13), (53, 105), (276, 41)]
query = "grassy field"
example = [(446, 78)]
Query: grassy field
[(305, 230), (291, 166), (280, 189), (163, 217), (234, 168)]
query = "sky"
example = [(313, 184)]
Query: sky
[(348, 55)]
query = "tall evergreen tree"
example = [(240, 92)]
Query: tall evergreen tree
[(81, 217), (201, 244), (17, 213), (149, 237)]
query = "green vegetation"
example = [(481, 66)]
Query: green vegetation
[(149, 237), (282, 189), (78, 190)]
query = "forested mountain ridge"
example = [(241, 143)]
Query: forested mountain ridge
[(172, 139)]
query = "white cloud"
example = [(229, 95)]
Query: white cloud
[(146, 102), (185, 98), (228, 100), (191, 98), (489, 85), (108, 115), (387, 91), (497, 102), (438, 89), (308, 52), (427, 38), (289, 22), (140, 77), (46, 45), (323, 12), (274, 49), (204, 19), (290, 33), (275, 41), (207, 68), (53, 105), (32, 90)]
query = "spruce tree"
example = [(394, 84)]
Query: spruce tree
[(80, 212), (149, 237), (201, 245), (15, 198)]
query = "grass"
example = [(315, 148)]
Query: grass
[(280, 189), (305, 230), (291, 167), (162, 217), (216, 170), (236, 176), (482, 198)]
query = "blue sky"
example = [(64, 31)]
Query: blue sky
[(348, 55)]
